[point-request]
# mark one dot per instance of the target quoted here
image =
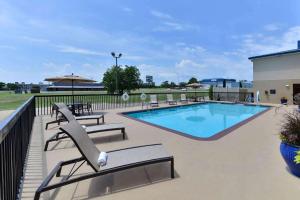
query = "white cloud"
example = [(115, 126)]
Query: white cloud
[(127, 9), (169, 23), (271, 27), (159, 73), (88, 70), (174, 26), (34, 39), (77, 50), (262, 44), (160, 15), (187, 64)]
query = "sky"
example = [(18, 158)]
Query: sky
[(171, 40)]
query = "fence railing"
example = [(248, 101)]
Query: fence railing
[(15, 134), (103, 101), (233, 96)]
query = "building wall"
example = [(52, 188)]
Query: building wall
[(279, 73), (284, 88), (283, 67)]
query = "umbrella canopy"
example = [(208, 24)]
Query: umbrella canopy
[(195, 85), (70, 79)]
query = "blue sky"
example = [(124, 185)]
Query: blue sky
[(171, 40)]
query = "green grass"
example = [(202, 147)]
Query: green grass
[(11, 101)]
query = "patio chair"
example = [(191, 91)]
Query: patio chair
[(153, 100), (88, 108), (170, 99), (89, 129), (183, 98), (117, 160), (58, 106)]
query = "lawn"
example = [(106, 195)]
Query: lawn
[(10, 101)]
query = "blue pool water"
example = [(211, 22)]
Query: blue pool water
[(199, 120)]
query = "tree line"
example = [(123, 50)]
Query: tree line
[(8, 86), (119, 80)]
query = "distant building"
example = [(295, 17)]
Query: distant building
[(149, 80), (246, 84), (277, 75), (219, 82), (227, 83)]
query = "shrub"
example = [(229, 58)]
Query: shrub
[(210, 93), (35, 89), (290, 129)]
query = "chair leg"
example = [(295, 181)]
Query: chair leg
[(172, 168), (52, 122), (123, 133)]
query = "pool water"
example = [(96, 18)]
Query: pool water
[(199, 120)]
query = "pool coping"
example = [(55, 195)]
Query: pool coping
[(216, 136)]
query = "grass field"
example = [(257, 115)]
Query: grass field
[(11, 101)]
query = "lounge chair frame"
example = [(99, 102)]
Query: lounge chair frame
[(58, 136), (58, 119), (69, 117), (66, 180)]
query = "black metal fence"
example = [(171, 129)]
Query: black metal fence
[(233, 96), (15, 134), (104, 101)]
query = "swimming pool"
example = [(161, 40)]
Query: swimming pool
[(206, 121)]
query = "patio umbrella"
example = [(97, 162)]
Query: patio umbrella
[(195, 86), (70, 79)]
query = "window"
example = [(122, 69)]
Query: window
[(273, 91)]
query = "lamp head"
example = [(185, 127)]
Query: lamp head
[(113, 54)]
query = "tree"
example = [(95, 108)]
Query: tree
[(131, 79), (126, 79), (182, 84), (2, 85), (165, 84), (11, 86), (192, 80), (241, 84), (172, 85)]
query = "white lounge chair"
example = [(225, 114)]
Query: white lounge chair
[(183, 98), (153, 100), (170, 99)]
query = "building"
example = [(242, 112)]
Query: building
[(149, 80), (277, 75), (219, 82)]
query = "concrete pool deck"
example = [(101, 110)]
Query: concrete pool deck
[(244, 164)]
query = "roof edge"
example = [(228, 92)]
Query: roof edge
[(275, 54)]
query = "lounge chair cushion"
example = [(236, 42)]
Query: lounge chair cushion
[(135, 155)]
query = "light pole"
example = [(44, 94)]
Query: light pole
[(116, 57)]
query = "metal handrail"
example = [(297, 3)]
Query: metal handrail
[(11, 120)]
